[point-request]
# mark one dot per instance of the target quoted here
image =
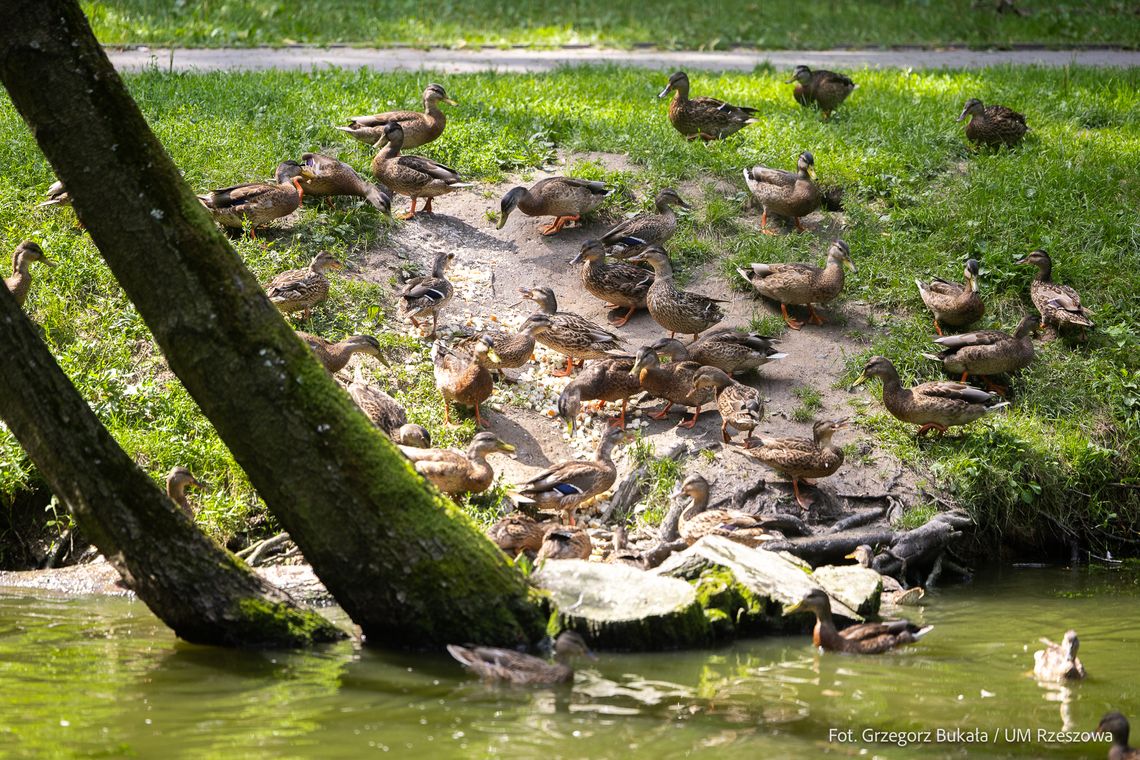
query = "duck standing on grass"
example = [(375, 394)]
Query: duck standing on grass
[(302, 289), (867, 638), (332, 177), (20, 283), (703, 117), (987, 353), (258, 203), (418, 128), (992, 125), (385, 412), (801, 284), (1059, 305), (459, 472), (334, 356), (790, 194), (414, 176), (951, 303), (565, 198), (821, 88)]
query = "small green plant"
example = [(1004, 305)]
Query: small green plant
[(811, 401), (917, 516)]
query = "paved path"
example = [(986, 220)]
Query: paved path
[(530, 60)]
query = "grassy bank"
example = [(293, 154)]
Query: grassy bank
[(712, 24), (918, 203)]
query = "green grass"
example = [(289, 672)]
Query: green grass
[(811, 401), (918, 202), (705, 24)]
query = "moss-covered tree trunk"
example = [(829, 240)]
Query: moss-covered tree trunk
[(403, 562), (194, 585)]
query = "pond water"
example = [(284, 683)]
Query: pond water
[(103, 677)]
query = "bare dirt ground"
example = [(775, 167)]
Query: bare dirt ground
[(492, 266)]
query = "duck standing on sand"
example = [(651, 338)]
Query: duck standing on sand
[(565, 198), (802, 458), (801, 284), (634, 234), (566, 485), (678, 311), (428, 294), (414, 176)]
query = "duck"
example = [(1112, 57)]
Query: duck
[(302, 289), (698, 521), (20, 283), (674, 382), (741, 406), (567, 199), (1059, 662), (56, 195), (937, 405), (822, 88), (953, 304), (678, 311), (987, 353), (461, 376), (425, 295), (258, 203), (867, 638), (604, 380), (619, 284), (703, 117), (510, 666), (512, 349), (334, 356), (459, 472), (414, 176), (419, 128), (332, 177), (802, 458), (992, 125), (566, 485), (893, 591), (1059, 305), (177, 481), (569, 334), (518, 533), (790, 194), (631, 235), (1116, 724), (801, 284), (565, 542), (730, 350), (385, 412)]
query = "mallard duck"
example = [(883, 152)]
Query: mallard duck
[(992, 125), (1059, 662), (604, 380), (893, 591), (674, 382), (302, 289), (565, 198), (177, 481), (1116, 724), (569, 334), (334, 356), (1059, 305), (523, 669), (419, 128), (429, 294), (803, 458), (461, 377), (619, 285), (56, 196), (802, 283), (258, 203), (726, 348), (953, 304), (458, 472), (867, 638), (821, 88), (413, 176), (622, 554), (790, 194), (633, 234), (385, 412), (698, 521), (703, 117), (518, 533), (741, 406), (20, 283), (332, 177), (567, 484), (938, 405), (987, 352), (511, 349), (565, 542), (678, 311)]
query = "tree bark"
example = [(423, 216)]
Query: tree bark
[(191, 583), (403, 562)]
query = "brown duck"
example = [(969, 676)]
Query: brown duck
[(258, 203), (1116, 724), (567, 199), (867, 638), (992, 125), (741, 406), (678, 311), (620, 285), (414, 176), (425, 295), (726, 348), (698, 521), (419, 128), (518, 533), (459, 472), (802, 458), (514, 667), (1059, 305), (566, 485), (20, 283), (331, 178), (604, 380), (385, 412), (802, 283), (987, 353), (631, 235), (674, 382), (565, 542), (703, 117), (302, 289), (952, 303), (821, 88), (462, 377), (334, 356), (1059, 662), (790, 194), (570, 334), (177, 481)]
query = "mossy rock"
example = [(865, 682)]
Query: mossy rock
[(618, 607), (751, 588), (860, 588)]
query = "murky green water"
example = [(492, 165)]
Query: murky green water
[(103, 677)]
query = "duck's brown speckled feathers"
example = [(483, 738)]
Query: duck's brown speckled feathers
[(518, 533), (565, 542), (674, 382), (567, 484), (632, 235), (1059, 305), (802, 283), (953, 303), (419, 128), (703, 117), (822, 88), (726, 348), (867, 638), (603, 380), (800, 458), (258, 203), (741, 406), (302, 289), (459, 472), (413, 176), (678, 311), (462, 377), (567, 199), (570, 334), (1059, 662), (332, 177), (617, 283), (426, 295), (698, 521), (993, 125), (987, 352), (514, 667), (20, 282), (334, 356), (789, 194)]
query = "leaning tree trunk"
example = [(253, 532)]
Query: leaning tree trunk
[(402, 561), (194, 585)]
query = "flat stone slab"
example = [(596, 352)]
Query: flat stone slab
[(860, 588), (621, 607)]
